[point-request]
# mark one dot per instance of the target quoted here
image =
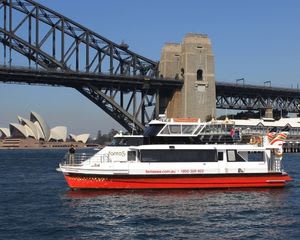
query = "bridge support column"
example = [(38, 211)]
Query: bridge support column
[(192, 61)]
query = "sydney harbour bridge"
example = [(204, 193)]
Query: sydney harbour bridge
[(41, 46)]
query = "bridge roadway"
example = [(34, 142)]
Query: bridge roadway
[(228, 95), (73, 79)]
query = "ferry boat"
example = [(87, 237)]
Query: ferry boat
[(180, 154)]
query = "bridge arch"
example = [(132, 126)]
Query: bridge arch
[(115, 78)]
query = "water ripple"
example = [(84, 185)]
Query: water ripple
[(37, 204)]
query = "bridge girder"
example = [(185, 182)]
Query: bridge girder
[(133, 102), (252, 97)]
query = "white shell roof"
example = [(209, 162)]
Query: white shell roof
[(30, 127), (83, 137), (34, 117), (80, 138), (20, 128), (5, 132), (58, 133)]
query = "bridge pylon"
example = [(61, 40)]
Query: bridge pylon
[(193, 62)]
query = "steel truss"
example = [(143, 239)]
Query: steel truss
[(125, 110), (48, 40), (251, 97)]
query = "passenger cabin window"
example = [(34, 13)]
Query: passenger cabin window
[(131, 155), (198, 130), (220, 156), (178, 129), (178, 155), (233, 156), (153, 130), (252, 156), (127, 141), (175, 129), (165, 130), (244, 156), (188, 129)]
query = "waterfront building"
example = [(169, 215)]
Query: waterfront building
[(35, 132), (263, 125)]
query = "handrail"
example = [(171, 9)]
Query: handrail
[(77, 159)]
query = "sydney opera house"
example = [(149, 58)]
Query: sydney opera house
[(35, 133)]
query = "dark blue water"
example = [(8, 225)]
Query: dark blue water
[(35, 203)]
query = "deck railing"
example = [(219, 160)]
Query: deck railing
[(77, 159)]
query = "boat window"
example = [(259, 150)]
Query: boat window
[(220, 156), (123, 142), (178, 155), (252, 156), (115, 142), (131, 155), (127, 141), (179, 129), (153, 130), (233, 156), (175, 129), (198, 130), (188, 129), (230, 155), (165, 130)]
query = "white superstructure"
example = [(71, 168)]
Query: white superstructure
[(170, 154)]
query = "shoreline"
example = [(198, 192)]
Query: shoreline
[(29, 143), (41, 148)]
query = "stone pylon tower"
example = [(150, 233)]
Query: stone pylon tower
[(193, 62)]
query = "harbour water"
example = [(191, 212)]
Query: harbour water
[(35, 203)]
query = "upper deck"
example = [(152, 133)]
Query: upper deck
[(191, 131), (181, 131)]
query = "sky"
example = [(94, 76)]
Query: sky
[(257, 40)]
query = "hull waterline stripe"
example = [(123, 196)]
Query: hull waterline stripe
[(144, 183)]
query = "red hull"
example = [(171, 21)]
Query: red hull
[(177, 182)]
